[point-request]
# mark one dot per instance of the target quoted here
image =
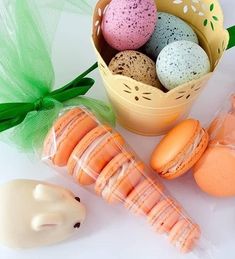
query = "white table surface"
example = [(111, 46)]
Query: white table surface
[(111, 232)]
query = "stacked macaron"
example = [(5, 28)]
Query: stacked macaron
[(164, 214), (155, 47), (96, 154)]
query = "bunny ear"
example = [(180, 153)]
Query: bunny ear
[(46, 221), (43, 192)]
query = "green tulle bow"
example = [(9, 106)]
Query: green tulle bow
[(28, 103)]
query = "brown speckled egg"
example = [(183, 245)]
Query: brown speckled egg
[(135, 65)]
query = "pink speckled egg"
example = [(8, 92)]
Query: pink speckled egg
[(129, 24)]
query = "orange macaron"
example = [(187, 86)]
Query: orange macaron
[(180, 149), (214, 172), (66, 133), (144, 197), (93, 153), (119, 178), (164, 215), (184, 235)]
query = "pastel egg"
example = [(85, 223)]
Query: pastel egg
[(135, 65), (129, 24), (181, 62), (168, 29)]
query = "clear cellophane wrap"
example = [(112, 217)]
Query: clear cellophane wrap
[(96, 156)]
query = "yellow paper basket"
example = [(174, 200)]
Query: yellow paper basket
[(142, 108)]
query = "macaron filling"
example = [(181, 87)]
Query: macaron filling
[(82, 161), (187, 154), (117, 176), (141, 197), (163, 214)]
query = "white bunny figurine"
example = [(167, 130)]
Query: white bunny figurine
[(34, 214)]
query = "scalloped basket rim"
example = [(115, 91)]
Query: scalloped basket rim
[(165, 108), (159, 92), (155, 89)]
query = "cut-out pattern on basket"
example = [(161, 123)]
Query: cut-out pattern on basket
[(99, 20), (212, 19), (137, 93), (186, 94), (196, 6)]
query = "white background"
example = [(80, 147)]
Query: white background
[(111, 232)]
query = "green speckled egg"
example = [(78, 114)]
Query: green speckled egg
[(168, 29)]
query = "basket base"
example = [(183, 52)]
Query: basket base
[(146, 134)]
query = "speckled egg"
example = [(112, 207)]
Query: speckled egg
[(168, 29), (128, 24), (181, 62), (135, 65)]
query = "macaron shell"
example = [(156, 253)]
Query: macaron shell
[(144, 196), (172, 146), (124, 186), (99, 158), (50, 148), (111, 169), (70, 134), (82, 146), (188, 164), (214, 172), (164, 216), (184, 235)]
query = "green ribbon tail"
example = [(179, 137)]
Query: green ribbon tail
[(77, 81), (13, 110), (231, 32), (71, 93), (10, 123), (12, 114)]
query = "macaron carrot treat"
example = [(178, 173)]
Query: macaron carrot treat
[(96, 155), (180, 149)]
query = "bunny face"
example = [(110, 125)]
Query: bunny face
[(35, 214)]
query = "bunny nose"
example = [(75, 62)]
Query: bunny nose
[(77, 199), (77, 225)]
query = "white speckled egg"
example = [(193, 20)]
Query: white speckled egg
[(181, 62), (168, 29)]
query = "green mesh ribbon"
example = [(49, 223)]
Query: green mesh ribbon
[(75, 6), (28, 104), (81, 6)]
